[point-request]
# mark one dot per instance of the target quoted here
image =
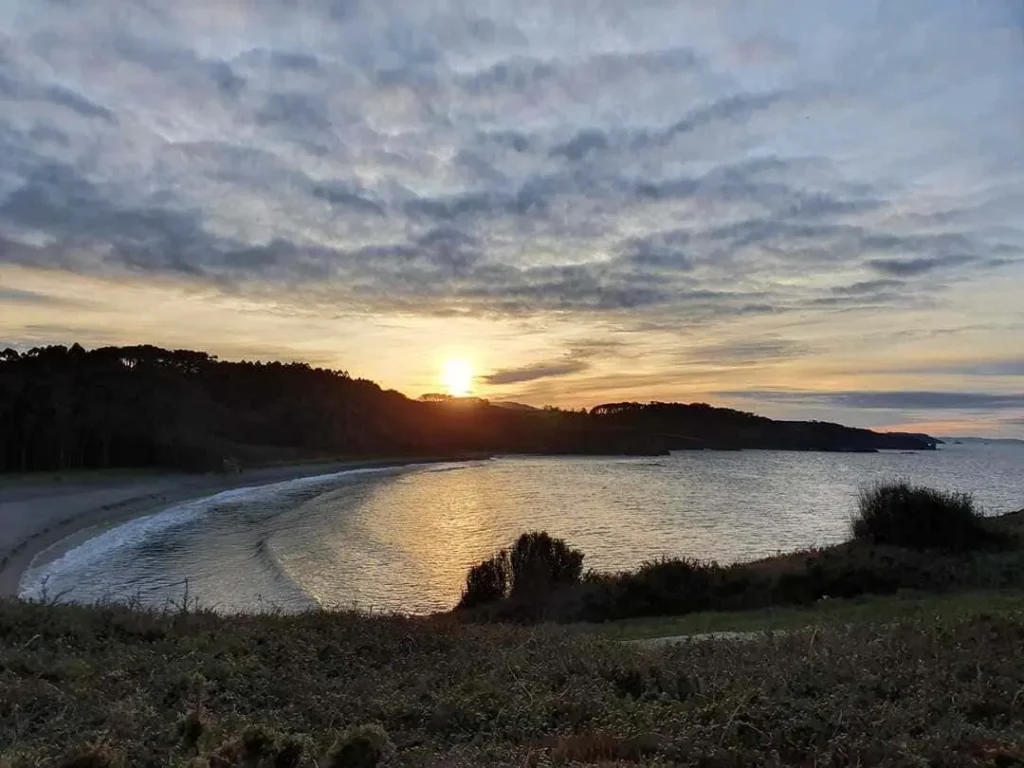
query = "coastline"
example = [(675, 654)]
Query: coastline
[(35, 518)]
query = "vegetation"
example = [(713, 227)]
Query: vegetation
[(107, 686), (905, 515), (866, 610), (701, 426), (965, 552), (67, 408), (535, 568)]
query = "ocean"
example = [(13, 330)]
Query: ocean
[(401, 539)]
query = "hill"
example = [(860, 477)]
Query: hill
[(700, 425), (66, 407)]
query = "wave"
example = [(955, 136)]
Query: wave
[(137, 532), (264, 554)]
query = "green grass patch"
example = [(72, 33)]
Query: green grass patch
[(867, 610)]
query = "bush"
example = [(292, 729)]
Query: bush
[(913, 517), (363, 747), (487, 582), (534, 568), (540, 563), (669, 587)]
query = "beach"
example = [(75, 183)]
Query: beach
[(51, 513)]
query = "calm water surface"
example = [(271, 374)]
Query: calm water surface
[(402, 539)]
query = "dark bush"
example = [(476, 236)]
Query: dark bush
[(540, 563), (904, 515), (535, 567), (487, 582), (92, 756), (668, 587), (363, 747)]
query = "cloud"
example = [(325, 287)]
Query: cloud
[(16, 296), (536, 371), (745, 352), (888, 400), (78, 103), (663, 250), (997, 368), (982, 367), (57, 201), (662, 169), (581, 145), (580, 358), (731, 109), (868, 287), (913, 267), (343, 195), (293, 111)]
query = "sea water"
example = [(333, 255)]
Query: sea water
[(401, 539)]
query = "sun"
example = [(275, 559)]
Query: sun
[(457, 377)]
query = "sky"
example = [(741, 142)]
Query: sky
[(801, 208)]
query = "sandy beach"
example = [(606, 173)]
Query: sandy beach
[(37, 514)]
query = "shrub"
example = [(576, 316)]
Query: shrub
[(363, 747), (903, 515), (667, 586), (91, 756), (487, 582), (540, 563), (527, 574)]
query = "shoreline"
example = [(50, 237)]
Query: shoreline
[(37, 518)]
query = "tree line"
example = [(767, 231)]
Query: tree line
[(141, 406)]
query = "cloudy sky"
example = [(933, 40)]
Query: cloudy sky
[(809, 209)]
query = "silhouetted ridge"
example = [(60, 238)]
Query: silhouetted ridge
[(66, 407), (700, 425)]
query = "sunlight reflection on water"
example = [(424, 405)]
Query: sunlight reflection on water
[(402, 540)]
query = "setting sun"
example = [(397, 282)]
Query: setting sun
[(457, 378)]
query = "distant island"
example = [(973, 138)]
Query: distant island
[(141, 406)]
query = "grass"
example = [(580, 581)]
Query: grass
[(873, 610), (104, 686)]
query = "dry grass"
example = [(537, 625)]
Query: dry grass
[(864, 610), (107, 686)]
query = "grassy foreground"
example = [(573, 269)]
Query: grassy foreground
[(865, 610), (105, 686)]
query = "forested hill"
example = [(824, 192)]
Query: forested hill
[(702, 426), (65, 407)]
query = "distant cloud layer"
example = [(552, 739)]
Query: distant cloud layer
[(648, 164), (895, 401)]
